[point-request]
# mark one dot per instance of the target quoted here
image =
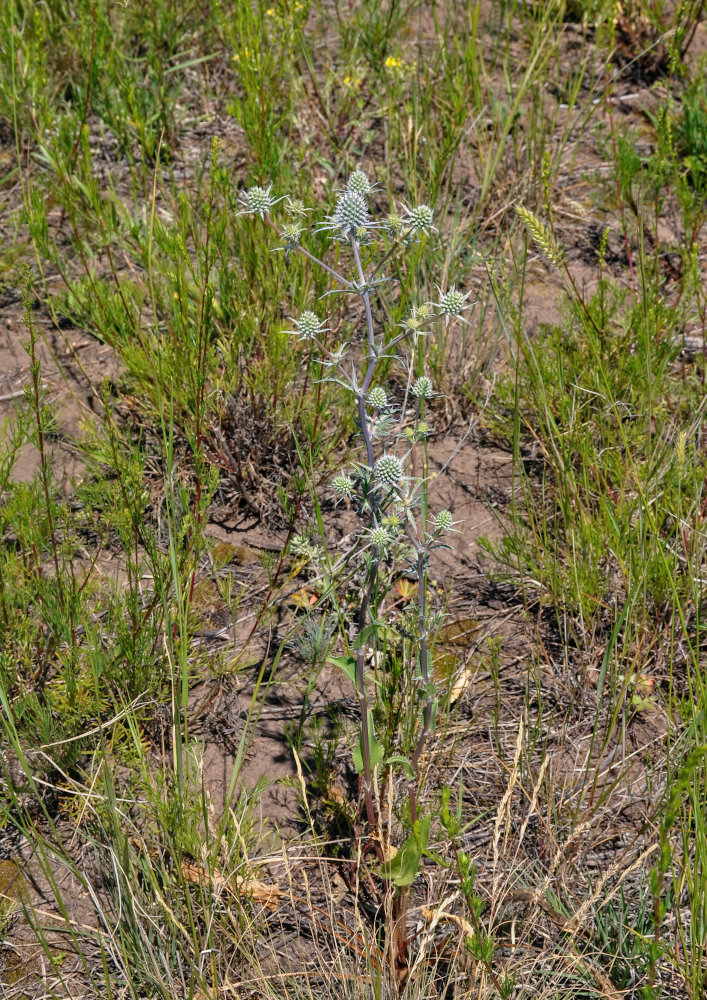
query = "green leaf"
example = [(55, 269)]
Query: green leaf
[(347, 664), (377, 752), (399, 759), (405, 866), (365, 634)]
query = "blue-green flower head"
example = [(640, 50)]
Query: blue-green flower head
[(420, 218), (291, 235), (359, 183), (308, 326), (377, 398), (379, 538), (257, 201), (389, 471), (451, 303), (343, 485), (423, 388), (351, 212), (444, 521)]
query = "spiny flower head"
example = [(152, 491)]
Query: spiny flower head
[(257, 200), (290, 236), (351, 212), (389, 470), (451, 303), (308, 325), (377, 398), (379, 537), (343, 485), (444, 521), (359, 183), (423, 388), (295, 207), (420, 218), (395, 224)]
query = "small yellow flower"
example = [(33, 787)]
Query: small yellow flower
[(392, 62), (270, 11)]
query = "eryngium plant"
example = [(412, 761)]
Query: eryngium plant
[(389, 500)]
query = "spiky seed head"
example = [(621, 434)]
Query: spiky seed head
[(351, 212), (258, 200), (389, 470), (309, 324), (420, 218), (380, 538), (452, 303), (423, 388), (444, 521), (359, 183), (377, 398), (343, 485)]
